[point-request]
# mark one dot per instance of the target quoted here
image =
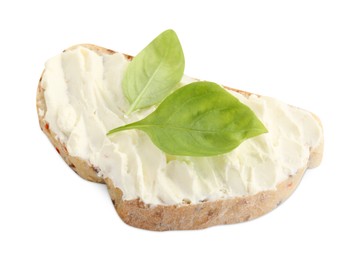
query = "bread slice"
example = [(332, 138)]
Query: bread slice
[(183, 216)]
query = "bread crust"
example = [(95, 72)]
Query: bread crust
[(184, 216), (200, 215)]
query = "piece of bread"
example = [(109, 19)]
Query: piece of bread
[(184, 216)]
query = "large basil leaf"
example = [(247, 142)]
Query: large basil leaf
[(154, 72), (199, 119)]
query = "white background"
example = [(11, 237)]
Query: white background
[(302, 52)]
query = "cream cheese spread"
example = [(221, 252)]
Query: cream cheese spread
[(84, 101)]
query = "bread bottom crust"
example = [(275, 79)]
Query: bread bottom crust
[(200, 215)]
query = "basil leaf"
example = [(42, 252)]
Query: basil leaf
[(199, 119), (154, 72)]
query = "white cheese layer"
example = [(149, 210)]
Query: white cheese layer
[(84, 101)]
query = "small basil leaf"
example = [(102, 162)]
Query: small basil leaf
[(199, 119), (154, 72)]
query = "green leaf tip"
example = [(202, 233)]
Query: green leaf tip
[(154, 72)]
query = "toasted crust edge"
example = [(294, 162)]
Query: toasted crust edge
[(200, 215), (184, 216)]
